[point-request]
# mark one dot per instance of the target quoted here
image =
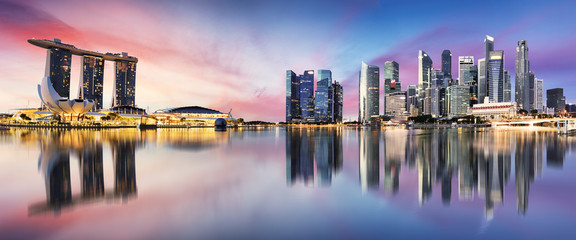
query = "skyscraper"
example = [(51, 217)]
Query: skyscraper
[(58, 69), (125, 83), (369, 94), (424, 72), (507, 87), (338, 101), (92, 81), (488, 47), (539, 95), (412, 100), (391, 79), (292, 96), (555, 99), (531, 90), (447, 63), (469, 77), (464, 62), (458, 100), (482, 80), (307, 95), (496, 76), (522, 93), (323, 100)]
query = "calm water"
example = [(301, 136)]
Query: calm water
[(281, 183)]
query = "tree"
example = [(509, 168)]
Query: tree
[(522, 112)]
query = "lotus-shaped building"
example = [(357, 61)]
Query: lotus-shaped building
[(61, 105)]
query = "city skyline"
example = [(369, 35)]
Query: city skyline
[(183, 44)]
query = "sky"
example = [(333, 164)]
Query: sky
[(232, 55)]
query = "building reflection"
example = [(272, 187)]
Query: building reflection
[(309, 147), (369, 150)]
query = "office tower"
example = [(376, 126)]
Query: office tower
[(338, 101), (307, 95), (424, 72), (92, 81), (531, 90), (125, 83), (522, 93), (447, 63), (323, 100), (395, 103), (555, 99), (58, 63), (539, 95), (293, 111), (488, 47), (458, 100), (507, 87), (437, 79), (469, 77), (496, 76), (412, 100), (369, 94), (464, 62), (482, 80), (391, 79)]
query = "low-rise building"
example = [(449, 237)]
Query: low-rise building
[(494, 110)]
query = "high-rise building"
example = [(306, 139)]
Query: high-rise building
[(522, 93), (391, 77), (395, 103), (307, 95), (92, 81), (458, 100), (293, 111), (482, 80), (555, 99), (58, 69), (412, 100), (324, 99), (496, 76), (369, 94), (488, 47), (464, 62), (125, 83), (338, 102), (424, 72), (447, 63), (539, 95), (469, 77), (507, 87), (432, 102), (437, 79), (532, 90)]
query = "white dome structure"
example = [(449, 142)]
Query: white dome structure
[(61, 105)]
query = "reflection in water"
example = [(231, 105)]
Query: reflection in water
[(479, 159), (308, 146)]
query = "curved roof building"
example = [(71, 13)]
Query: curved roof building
[(189, 109), (56, 43)]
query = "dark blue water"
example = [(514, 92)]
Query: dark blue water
[(277, 183)]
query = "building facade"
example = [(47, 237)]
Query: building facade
[(522, 89), (493, 110), (396, 104), (58, 69), (307, 95), (293, 111), (464, 63), (424, 72), (482, 80), (447, 63), (324, 97), (338, 102), (458, 100), (555, 99), (125, 84), (92, 82), (539, 95), (496, 76), (369, 94), (488, 47), (507, 87)]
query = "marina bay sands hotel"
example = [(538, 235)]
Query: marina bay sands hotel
[(58, 64)]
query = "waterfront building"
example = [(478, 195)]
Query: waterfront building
[(369, 94), (464, 63), (424, 72), (58, 64), (395, 104), (496, 76), (469, 77), (190, 114), (507, 87), (488, 47), (556, 99), (307, 95), (412, 100), (447, 63), (494, 110), (437, 79), (539, 105), (482, 80), (92, 82), (293, 111), (531, 90), (338, 102), (324, 97), (522, 93), (458, 100), (125, 83)]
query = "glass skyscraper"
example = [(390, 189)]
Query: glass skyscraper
[(447, 63), (323, 100), (424, 69), (391, 79), (58, 69), (522, 92), (507, 87), (338, 102), (369, 94), (92, 83), (488, 47), (464, 62), (482, 80), (496, 76), (307, 95), (458, 100), (125, 84), (293, 111), (555, 99)]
